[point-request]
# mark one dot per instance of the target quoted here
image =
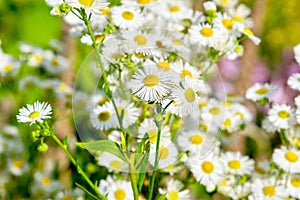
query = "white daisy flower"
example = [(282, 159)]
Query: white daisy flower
[(56, 64), (250, 34), (294, 81), (226, 3), (266, 189), (213, 113), (8, 65), (103, 117), (225, 22), (297, 53), (126, 17), (44, 184), (231, 122), (18, 167), (176, 42), (116, 189), (282, 116), (34, 113), (185, 70), (89, 5), (167, 154), (287, 159), (268, 126), (173, 191), (209, 6), (208, 171), (260, 91), (98, 99), (194, 141), (206, 35), (71, 194), (131, 113), (236, 163), (297, 101), (293, 186), (148, 126), (186, 97), (150, 84), (112, 162), (240, 15), (242, 111)]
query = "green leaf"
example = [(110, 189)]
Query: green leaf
[(103, 145), (162, 197)]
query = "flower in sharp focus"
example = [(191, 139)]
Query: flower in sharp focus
[(34, 113), (282, 116), (287, 159), (260, 91), (150, 84), (293, 185), (266, 189), (236, 163), (294, 81), (174, 191)]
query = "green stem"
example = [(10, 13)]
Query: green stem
[(133, 177), (152, 179), (79, 169), (282, 137)]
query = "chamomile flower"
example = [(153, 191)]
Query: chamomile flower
[(150, 84), (246, 31), (126, 17), (206, 35), (173, 191), (44, 184), (260, 91), (130, 112), (208, 171), (112, 162), (297, 53), (28, 82), (89, 5), (186, 97), (240, 15), (294, 81), (231, 122), (18, 167), (149, 127), (194, 141), (98, 99), (293, 185), (236, 163), (282, 116), (266, 189), (185, 70), (213, 113), (167, 154), (103, 117), (116, 189), (8, 65), (56, 64), (287, 159), (75, 194), (268, 126), (35, 113), (226, 3), (225, 22)]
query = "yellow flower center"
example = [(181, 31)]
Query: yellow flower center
[(206, 32), (269, 191), (104, 116), (227, 23), (87, 3), (283, 114), (152, 135), (174, 9), (248, 31), (144, 2), (105, 11), (120, 194), (196, 139), (127, 15), (151, 80), (234, 164), (46, 180), (190, 95), (116, 164), (262, 91), (231, 95), (62, 87), (207, 167), (291, 156), (226, 103), (165, 66), (102, 101), (38, 58), (34, 114), (140, 55), (173, 195), (241, 115), (177, 42), (227, 122), (185, 73), (67, 197), (238, 18), (215, 110), (8, 67), (203, 127), (202, 104), (55, 62), (140, 40), (18, 164), (170, 167), (295, 182), (99, 38), (163, 153)]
